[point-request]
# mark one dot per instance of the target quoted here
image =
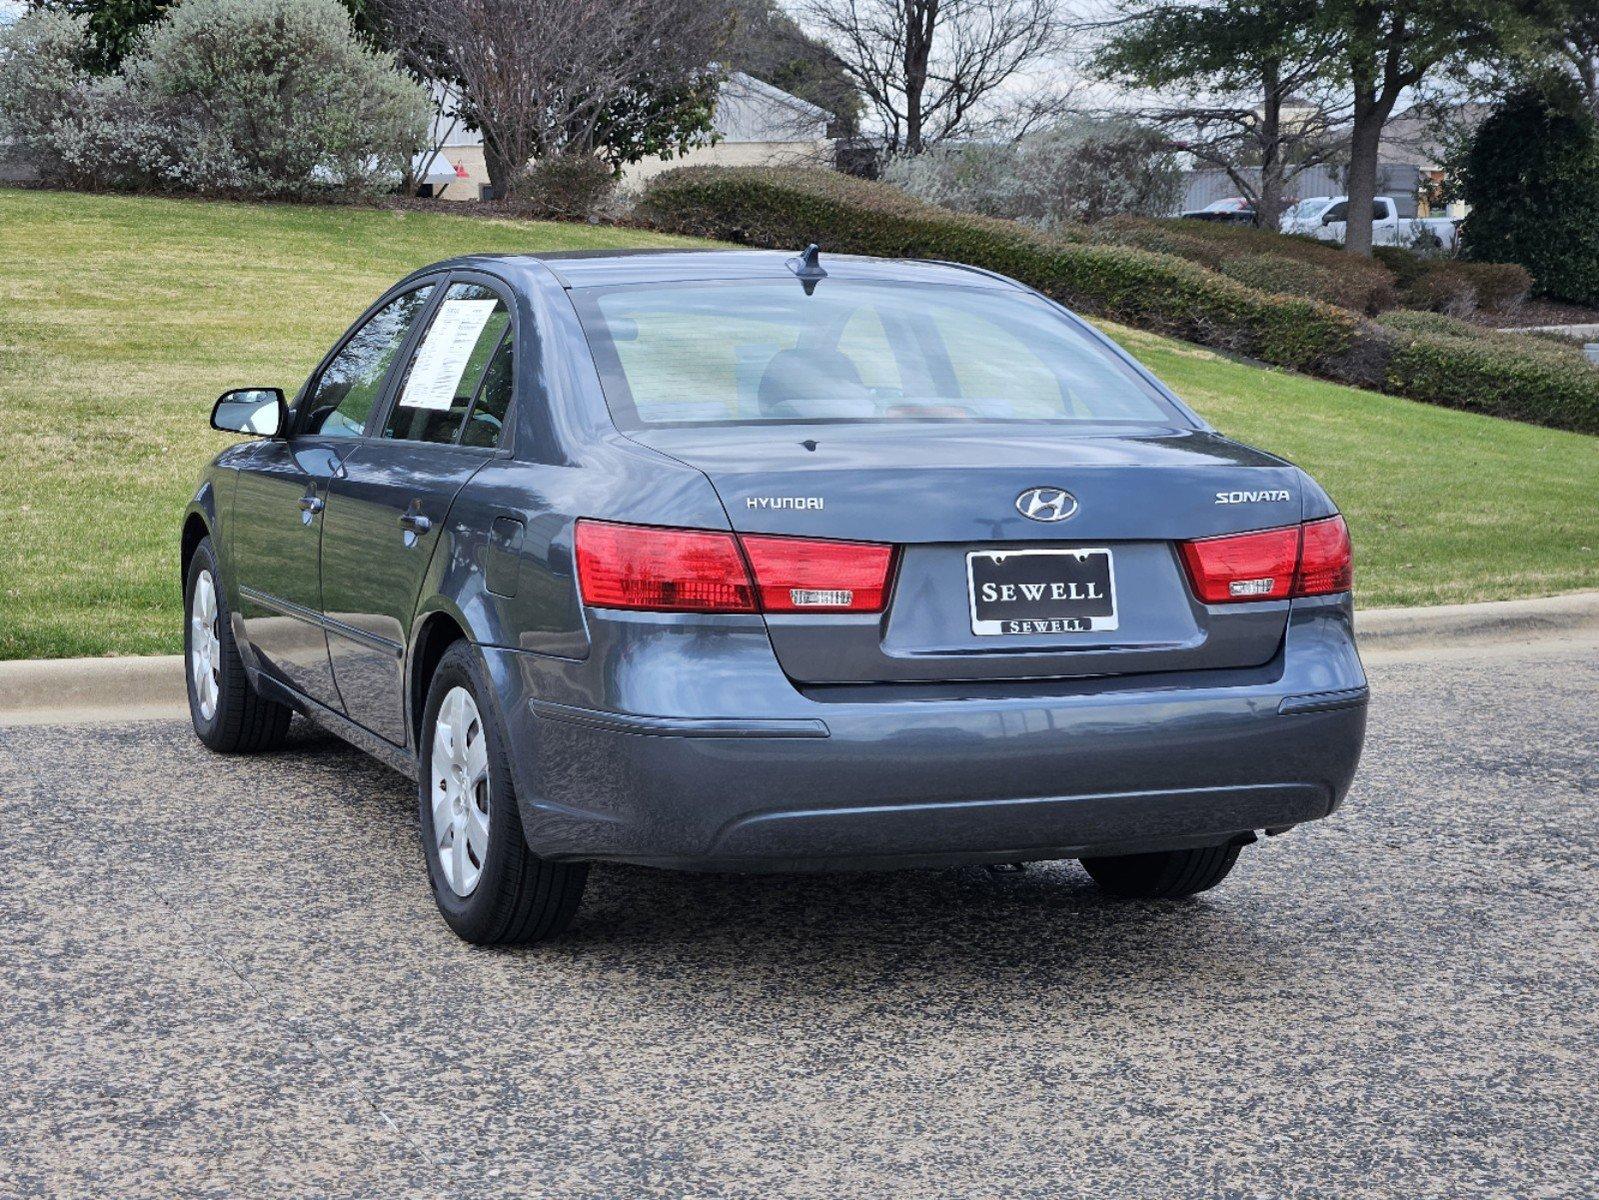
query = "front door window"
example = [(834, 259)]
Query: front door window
[(350, 385)]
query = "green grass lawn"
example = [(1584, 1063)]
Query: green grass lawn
[(121, 319)]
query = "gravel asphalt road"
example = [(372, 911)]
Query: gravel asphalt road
[(224, 977)]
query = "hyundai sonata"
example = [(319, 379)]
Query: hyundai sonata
[(747, 561)]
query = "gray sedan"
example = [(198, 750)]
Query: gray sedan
[(745, 561)]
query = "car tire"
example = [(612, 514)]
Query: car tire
[(1164, 875), (229, 715), (491, 889)]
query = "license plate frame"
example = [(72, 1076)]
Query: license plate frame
[(987, 624)]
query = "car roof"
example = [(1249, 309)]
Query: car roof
[(609, 268)]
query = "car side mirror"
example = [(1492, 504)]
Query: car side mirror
[(258, 411), (1327, 220)]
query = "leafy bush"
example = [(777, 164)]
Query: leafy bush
[(234, 97), (1082, 171), (1453, 286), (285, 99), (1530, 177), (566, 187), (1501, 287), (1270, 261), (1420, 355), (1445, 361), (1442, 287), (42, 70)]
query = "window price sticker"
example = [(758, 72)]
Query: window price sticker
[(441, 360)]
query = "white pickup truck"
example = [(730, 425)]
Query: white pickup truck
[(1326, 218)]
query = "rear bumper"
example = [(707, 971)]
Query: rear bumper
[(899, 776)]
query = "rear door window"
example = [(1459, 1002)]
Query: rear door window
[(485, 424), (435, 399)]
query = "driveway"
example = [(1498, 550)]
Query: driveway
[(225, 977)]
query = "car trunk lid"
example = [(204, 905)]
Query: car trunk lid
[(947, 494)]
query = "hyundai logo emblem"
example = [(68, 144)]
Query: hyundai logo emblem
[(1046, 504)]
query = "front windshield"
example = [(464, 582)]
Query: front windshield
[(1307, 208), (765, 351)]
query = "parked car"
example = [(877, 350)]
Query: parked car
[(731, 560), (1327, 218), (1233, 210)]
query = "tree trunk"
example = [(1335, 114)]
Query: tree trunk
[(1269, 208), (1364, 139), (921, 16), (504, 171)]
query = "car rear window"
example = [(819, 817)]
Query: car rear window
[(747, 352)]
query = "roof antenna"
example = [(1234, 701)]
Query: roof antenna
[(808, 267)]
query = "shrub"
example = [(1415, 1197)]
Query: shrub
[(1529, 176), (278, 98), (1271, 261), (41, 73), (1081, 171), (1445, 361), (1501, 287), (1453, 286), (1441, 287), (1421, 355), (235, 97), (566, 187), (1404, 265)]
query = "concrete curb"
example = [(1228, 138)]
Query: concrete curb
[(1494, 621), (33, 689)]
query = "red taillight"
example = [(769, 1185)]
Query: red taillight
[(1326, 563), (1246, 566), (668, 570), (696, 570), (1272, 564), (804, 575)]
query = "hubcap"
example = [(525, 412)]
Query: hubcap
[(460, 791), (205, 646)]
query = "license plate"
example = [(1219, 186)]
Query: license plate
[(1030, 592)]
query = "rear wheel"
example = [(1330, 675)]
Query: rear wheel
[(228, 714), (490, 888), (1164, 875)]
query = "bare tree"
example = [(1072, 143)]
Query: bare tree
[(936, 69), (620, 78)]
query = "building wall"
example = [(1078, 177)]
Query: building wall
[(470, 157), (818, 153)]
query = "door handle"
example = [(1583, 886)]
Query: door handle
[(309, 507), (415, 523)]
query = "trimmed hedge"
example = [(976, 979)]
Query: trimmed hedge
[(1419, 355), (1453, 286), (1291, 266), (1445, 361)]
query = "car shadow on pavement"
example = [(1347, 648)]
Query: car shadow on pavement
[(827, 933)]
